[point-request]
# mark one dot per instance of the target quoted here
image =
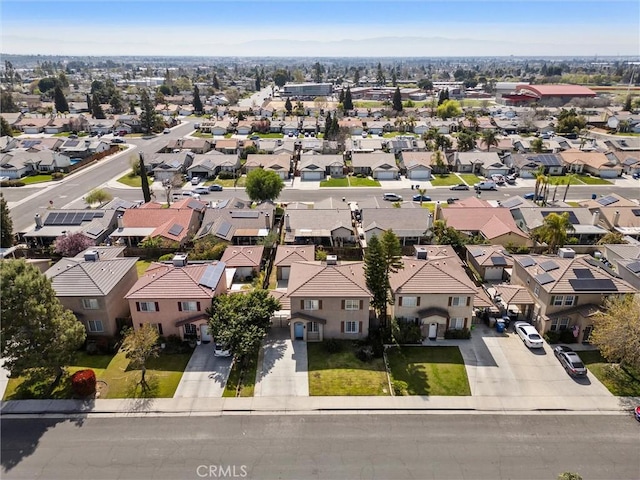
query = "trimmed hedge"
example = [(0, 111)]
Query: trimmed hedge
[(83, 383)]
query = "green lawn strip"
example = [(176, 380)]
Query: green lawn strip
[(445, 180), (131, 181), (430, 370), (335, 182), (593, 180), (618, 381), (229, 182), (573, 204), (343, 374), (395, 134), (35, 179), (268, 135), (202, 134), (432, 205), (248, 379), (563, 179), (469, 178), (363, 182)]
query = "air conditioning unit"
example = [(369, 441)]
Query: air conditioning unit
[(566, 253)]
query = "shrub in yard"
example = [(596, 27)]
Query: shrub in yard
[(566, 336), (226, 175), (364, 353), (377, 338), (400, 388), (12, 183), (332, 345), (166, 257), (57, 175), (463, 334), (83, 383), (405, 332), (552, 337)]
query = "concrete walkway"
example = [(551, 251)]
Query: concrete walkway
[(205, 375), (282, 366)]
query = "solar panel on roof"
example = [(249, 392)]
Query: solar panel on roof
[(582, 273), (95, 230), (71, 143), (636, 212), (634, 267), (223, 229), (194, 204), (543, 278), (499, 261), (50, 219), (549, 265), (245, 214), (608, 200), (512, 202), (526, 261), (176, 229), (593, 284), (572, 216), (212, 274)]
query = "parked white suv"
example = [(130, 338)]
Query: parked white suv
[(195, 180)]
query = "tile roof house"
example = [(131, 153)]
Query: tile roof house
[(363, 145), (594, 163), (234, 221), (626, 259), (434, 291), (287, 255), (211, 164), (489, 261), (328, 300), (280, 164), (409, 224), (616, 213), (246, 260), (195, 145), (94, 224), (476, 217), (173, 297), (567, 291), (166, 166), (417, 165), (319, 227), (174, 225), (93, 284), (527, 165), (585, 224), (381, 166), (317, 167), (485, 163)]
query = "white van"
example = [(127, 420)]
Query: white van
[(486, 185)]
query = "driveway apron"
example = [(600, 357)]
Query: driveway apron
[(282, 366), (205, 375)]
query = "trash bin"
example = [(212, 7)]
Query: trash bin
[(594, 196), (412, 186), (500, 325)]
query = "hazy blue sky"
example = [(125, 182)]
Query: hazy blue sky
[(327, 28)]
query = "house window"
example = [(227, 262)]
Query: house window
[(458, 301), (311, 305), (351, 327), (90, 303), (536, 290), (352, 304), (411, 301), (456, 323), (95, 326), (313, 327), (559, 324), (188, 306), (569, 300), (190, 329), (147, 306), (158, 327), (564, 324), (558, 300)]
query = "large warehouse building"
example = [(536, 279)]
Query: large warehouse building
[(307, 90), (549, 95)]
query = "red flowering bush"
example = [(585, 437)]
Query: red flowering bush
[(83, 383)]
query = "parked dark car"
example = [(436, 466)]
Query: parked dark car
[(532, 196), (421, 198), (460, 186), (570, 361), (215, 188)]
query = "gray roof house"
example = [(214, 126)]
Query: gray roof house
[(317, 167), (409, 224), (381, 166), (585, 224), (485, 163), (319, 227), (93, 224), (211, 164), (233, 220), (417, 165)]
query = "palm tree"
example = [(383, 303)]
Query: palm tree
[(537, 145), (490, 138), (566, 190), (540, 177), (421, 192), (438, 161), (555, 230)]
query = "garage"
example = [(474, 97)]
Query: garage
[(419, 174), (319, 175), (385, 175)]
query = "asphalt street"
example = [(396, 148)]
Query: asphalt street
[(391, 446)]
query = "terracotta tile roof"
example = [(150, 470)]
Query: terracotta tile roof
[(491, 222), (481, 299), (282, 297), (162, 219), (287, 254), (316, 279), (167, 281), (595, 160), (243, 256), (436, 275), (483, 254), (514, 294)]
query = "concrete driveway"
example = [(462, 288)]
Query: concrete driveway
[(500, 365), (282, 366), (205, 375)]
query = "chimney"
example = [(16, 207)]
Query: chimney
[(595, 217), (420, 252), (616, 218), (430, 221), (120, 222), (267, 221), (332, 259), (287, 225), (38, 221), (91, 256), (180, 260)]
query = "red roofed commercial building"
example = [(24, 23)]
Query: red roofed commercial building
[(549, 95)]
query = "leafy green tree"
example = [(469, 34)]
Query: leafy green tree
[(263, 185), (490, 138), (318, 70), (616, 331), (612, 238), (425, 84), (287, 106), (627, 104), (207, 248), (117, 105), (6, 224), (449, 109), (570, 122), (5, 128), (348, 100), (466, 142), (443, 96), (242, 320), (48, 83), (554, 230), (96, 109), (397, 100), (197, 103), (60, 101), (97, 195), (537, 145), (7, 104), (37, 332), (445, 235), (280, 77), (148, 116), (139, 346)]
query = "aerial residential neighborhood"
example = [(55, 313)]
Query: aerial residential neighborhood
[(277, 252)]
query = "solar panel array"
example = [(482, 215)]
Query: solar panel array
[(634, 267), (549, 265), (176, 229), (512, 202), (30, 143), (572, 216), (224, 229), (608, 200), (593, 284), (543, 278), (527, 261), (547, 160), (71, 143), (212, 274), (194, 205), (95, 230), (71, 218), (499, 261), (636, 212), (582, 273)]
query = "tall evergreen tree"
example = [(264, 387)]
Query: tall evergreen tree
[(59, 100), (197, 103), (397, 100), (348, 101), (88, 97), (335, 127), (380, 76), (5, 128), (327, 127), (6, 224), (341, 96), (146, 191), (356, 76), (148, 115), (287, 106), (215, 83), (374, 273), (96, 108)]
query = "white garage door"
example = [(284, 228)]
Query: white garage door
[(420, 175), (386, 175), (312, 175)]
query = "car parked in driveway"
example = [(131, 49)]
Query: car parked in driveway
[(529, 335), (570, 361), (221, 350), (460, 186)]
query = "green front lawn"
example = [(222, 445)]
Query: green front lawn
[(563, 179), (343, 374), (200, 134), (35, 179), (589, 180), (245, 377), (229, 183), (268, 135), (470, 179), (395, 134), (132, 181), (445, 180), (363, 182), (430, 370), (618, 381), (335, 182)]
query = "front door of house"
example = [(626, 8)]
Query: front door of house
[(587, 333), (298, 330), (205, 336), (433, 331)]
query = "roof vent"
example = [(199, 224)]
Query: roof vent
[(332, 259), (566, 253), (180, 260), (91, 256)]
